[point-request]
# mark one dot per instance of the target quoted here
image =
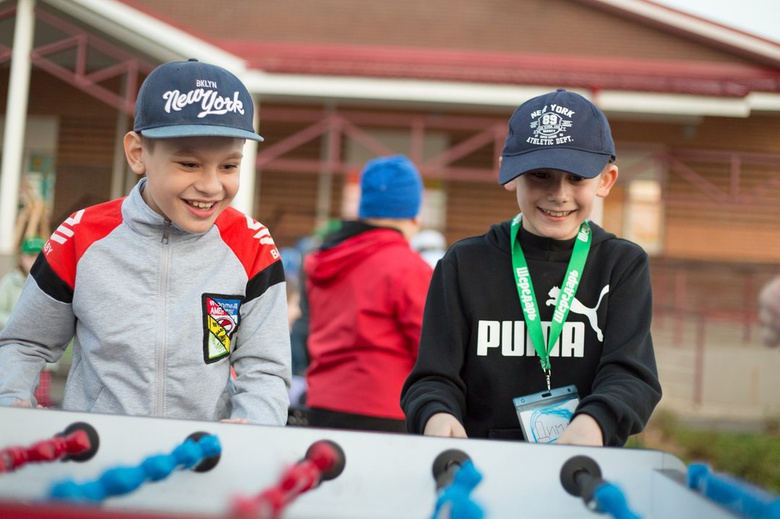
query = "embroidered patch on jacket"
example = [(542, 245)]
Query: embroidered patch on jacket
[(220, 321)]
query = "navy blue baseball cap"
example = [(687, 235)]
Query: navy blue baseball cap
[(194, 99), (560, 130)]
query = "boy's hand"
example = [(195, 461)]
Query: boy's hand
[(25, 403), (235, 420), (583, 430), (769, 312), (444, 424)]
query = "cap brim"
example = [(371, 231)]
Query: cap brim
[(577, 162), (199, 130)]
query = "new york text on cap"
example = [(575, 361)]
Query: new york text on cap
[(194, 99)]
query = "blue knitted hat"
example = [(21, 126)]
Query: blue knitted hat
[(390, 187)]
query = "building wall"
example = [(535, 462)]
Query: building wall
[(85, 148), (733, 216), (714, 213), (565, 27), (743, 225)]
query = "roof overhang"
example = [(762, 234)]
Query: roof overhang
[(460, 95), (146, 34), (691, 26), (398, 76), (592, 72)]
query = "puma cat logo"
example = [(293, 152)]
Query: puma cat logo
[(578, 308)]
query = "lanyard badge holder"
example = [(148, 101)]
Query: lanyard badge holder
[(543, 416)]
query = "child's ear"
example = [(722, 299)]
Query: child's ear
[(607, 179), (133, 151), (509, 186)]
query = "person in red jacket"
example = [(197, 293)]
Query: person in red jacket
[(366, 290)]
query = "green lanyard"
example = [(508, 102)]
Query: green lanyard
[(525, 290)]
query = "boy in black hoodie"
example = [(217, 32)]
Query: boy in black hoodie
[(542, 302)]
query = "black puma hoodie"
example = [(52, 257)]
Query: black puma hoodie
[(475, 356)]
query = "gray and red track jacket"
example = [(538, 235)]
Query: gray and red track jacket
[(158, 316)]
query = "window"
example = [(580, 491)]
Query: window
[(634, 209)]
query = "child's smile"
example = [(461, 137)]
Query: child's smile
[(554, 203), (191, 180)]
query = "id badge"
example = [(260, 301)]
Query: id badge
[(544, 416)]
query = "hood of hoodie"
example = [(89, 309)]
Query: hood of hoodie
[(349, 247)]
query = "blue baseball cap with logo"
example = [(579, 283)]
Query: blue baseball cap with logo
[(194, 99), (560, 130)]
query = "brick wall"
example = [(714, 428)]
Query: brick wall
[(530, 26)]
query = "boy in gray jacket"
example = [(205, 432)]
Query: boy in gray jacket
[(165, 290)]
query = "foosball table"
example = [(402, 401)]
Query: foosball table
[(63, 464)]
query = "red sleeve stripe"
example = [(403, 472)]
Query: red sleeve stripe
[(74, 236), (263, 234), (249, 240), (64, 231)]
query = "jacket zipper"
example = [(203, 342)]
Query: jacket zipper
[(166, 232), (162, 327)]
